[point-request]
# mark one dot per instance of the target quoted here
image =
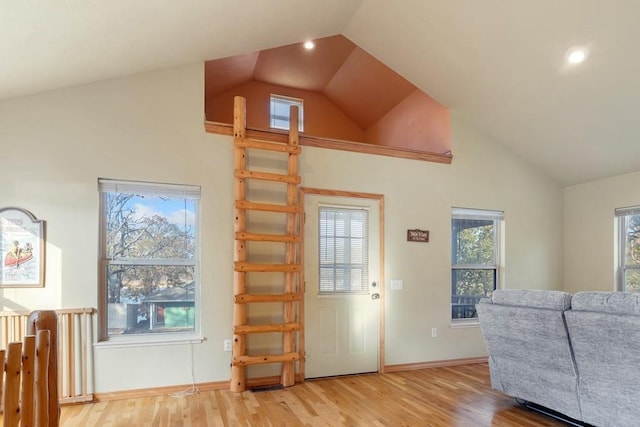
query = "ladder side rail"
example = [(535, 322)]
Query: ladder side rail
[(289, 338), (239, 347)]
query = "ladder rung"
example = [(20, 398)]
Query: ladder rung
[(260, 237), (263, 268), (243, 204), (266, 176), (270, 358), (245, 298), (258, 329), (266, 145)]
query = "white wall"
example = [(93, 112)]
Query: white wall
[(589, 232), (150, 127)]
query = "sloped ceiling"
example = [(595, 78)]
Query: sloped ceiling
[(361, 86), (498, 64)]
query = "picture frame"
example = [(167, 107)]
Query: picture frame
[(22, 249)]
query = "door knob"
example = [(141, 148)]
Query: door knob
[(375, 296)]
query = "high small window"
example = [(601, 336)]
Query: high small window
[(280, 109), (628, 274), (344, 249), (149, 259), (475, 254)]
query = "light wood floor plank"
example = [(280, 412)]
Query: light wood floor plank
[(449, 396)]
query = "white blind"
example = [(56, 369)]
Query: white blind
[(343, 249), (465, 213), (149, 188), (629, 210)]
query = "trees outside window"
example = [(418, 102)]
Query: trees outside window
[(149, 252), (628, 274), (474, 259)]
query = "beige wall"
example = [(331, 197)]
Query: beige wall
[(150, 127), (589, 232)]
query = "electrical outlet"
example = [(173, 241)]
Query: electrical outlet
[(434, 332), (227, 345)]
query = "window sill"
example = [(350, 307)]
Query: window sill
[(120, 342), (471, 323)]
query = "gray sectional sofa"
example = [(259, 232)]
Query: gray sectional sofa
[(577, 355)]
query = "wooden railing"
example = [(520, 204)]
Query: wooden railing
[(29, 375), (74, 349), (24, 387)]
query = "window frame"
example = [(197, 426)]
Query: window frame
[(192, 192), (289, 101), (622, 215), (476, 214)]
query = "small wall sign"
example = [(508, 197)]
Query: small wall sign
[(417, 235)]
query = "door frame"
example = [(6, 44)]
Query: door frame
[(352, 194)]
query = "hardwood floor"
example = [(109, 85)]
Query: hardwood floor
[(453, 396)]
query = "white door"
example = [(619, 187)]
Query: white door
[(342, 314)]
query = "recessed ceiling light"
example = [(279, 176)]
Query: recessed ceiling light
[(577, 54), (309, 44)]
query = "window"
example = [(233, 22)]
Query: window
[(149, 258), (344, 249), (628, 274), (280, 108), (475, 258)]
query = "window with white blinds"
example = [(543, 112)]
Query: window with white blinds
[(343, 249)]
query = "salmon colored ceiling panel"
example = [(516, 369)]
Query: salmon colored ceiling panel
[(223, 74), (294, 66), (366, 89)]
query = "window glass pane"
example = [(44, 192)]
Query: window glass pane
[(344, 250), (467, 288), (280, 110), (632, 229), (472, 282), (473, 242), (150, 298), (148, 226), (632, 280)]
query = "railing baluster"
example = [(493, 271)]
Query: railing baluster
[(74, 349)]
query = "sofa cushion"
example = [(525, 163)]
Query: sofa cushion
[(607, 302), (607, 352), (532, 298), (530, 353)]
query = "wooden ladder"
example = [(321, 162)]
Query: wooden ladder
[(290, 296)]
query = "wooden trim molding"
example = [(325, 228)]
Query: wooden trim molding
[(158, 391), (203, 387), (434, 364), (336, 144), (265, 381)]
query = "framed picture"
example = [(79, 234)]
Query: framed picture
[(22, 248)]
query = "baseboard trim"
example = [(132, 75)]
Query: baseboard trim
[(264, 381), (203, 387), (157, 391), (433, 364)]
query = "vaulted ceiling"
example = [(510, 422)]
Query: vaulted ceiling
[(361, 86), (497, 64)]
